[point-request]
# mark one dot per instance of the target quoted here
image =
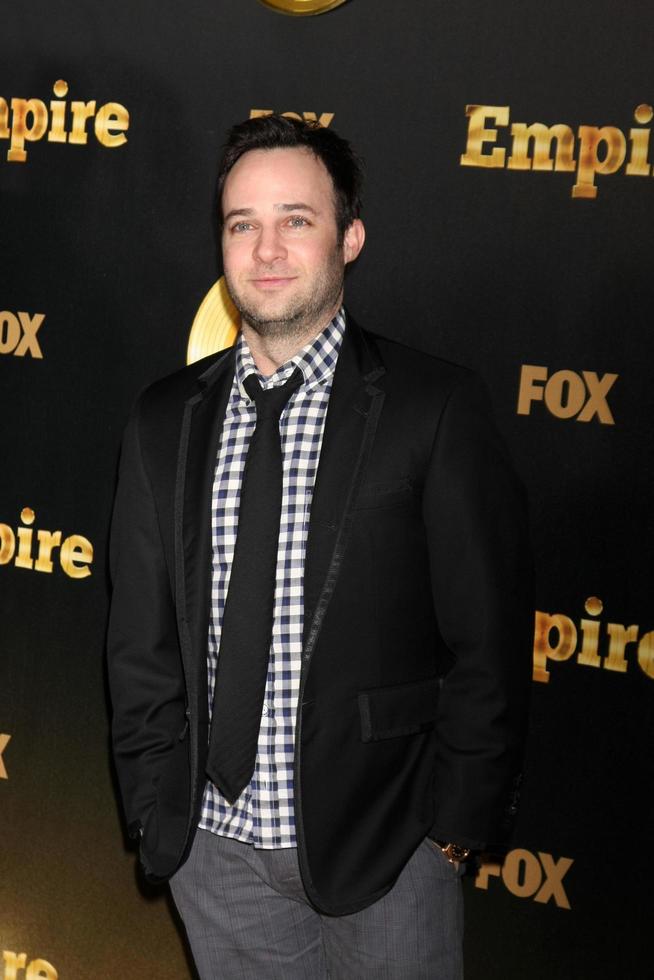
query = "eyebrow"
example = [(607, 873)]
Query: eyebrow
[(248, 212), (297, 206), (244, 212)]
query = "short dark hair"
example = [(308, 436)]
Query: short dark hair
[(273, 132)]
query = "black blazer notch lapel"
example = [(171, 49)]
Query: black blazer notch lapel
[(202, 423), (355, 405)]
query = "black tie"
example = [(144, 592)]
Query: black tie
[(248, 615)]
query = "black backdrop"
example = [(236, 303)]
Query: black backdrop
[(491, 266)]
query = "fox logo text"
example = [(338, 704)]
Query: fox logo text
[(526, 875), (18, 333), (4, 742), (566, 394), (323, 118)]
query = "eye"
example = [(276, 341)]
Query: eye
[(297, 221), (241, 226)]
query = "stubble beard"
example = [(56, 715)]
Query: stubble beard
[(301, 313)]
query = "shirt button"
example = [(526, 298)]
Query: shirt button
[(265, 709)]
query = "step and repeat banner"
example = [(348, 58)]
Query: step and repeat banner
[(509, 208)]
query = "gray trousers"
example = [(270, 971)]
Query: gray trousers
[(247, 918)]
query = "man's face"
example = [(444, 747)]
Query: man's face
[(283, 264)]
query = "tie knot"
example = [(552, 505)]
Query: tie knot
[(270, 401)]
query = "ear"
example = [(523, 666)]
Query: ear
[(353, 239)]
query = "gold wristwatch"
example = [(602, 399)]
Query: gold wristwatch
[(453, 852)]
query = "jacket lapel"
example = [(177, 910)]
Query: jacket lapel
[(354, 407), (202, 423)]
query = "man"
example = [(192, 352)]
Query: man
[(319, 661)]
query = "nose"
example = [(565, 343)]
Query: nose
[(269, 246)]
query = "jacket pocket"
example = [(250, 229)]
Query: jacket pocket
[(389, 494), (404, 709)]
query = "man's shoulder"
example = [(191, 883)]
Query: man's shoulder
[(173, 390), (417, 367)]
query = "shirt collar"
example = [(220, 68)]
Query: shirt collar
[(316, 360)]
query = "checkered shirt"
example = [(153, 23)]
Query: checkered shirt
[(263, 815)]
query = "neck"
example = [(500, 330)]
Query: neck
[(269, 353)]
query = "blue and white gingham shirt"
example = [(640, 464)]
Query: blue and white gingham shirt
[(264, 815)]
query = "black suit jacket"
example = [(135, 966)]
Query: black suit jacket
[(417, 625)]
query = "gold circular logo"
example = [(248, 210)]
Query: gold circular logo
[(299, 8), (216, 324)]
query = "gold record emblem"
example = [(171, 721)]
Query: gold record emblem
[(216, 324), (300, 8)]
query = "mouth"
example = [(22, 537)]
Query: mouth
[(272, 282)]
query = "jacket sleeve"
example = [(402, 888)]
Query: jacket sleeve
[(143, 652), (475, 513)]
